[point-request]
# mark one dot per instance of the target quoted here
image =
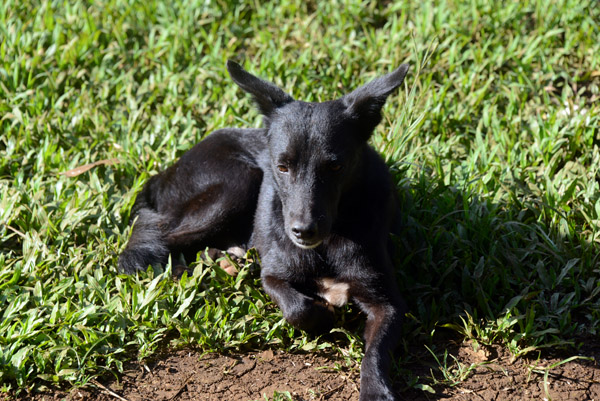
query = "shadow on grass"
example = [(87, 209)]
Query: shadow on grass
[(491, 273)]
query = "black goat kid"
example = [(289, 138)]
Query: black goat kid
[(309, 193)]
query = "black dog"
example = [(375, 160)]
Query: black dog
[(309, 193)]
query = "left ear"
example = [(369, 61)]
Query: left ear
[(364, 104)]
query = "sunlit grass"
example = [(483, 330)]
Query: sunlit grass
[(493, 143)]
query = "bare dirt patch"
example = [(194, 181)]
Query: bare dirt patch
[(187, 375), (495, 376)]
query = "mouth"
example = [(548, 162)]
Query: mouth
[(305, 244)]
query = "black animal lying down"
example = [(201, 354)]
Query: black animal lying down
[(309, 193)]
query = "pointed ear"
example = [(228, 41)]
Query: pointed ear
[(364, 104), (267, 96)]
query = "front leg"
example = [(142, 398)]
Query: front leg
[(301, 310), (382, 331)]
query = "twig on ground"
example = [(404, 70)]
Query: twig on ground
[(326, 395), (109, 391)]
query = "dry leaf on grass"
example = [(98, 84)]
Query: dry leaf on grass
[(82, 169)]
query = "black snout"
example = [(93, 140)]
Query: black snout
[(304, 231)]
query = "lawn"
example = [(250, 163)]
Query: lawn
[(493, 142)]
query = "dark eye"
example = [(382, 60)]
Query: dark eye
[(335, 167), (283, 168)]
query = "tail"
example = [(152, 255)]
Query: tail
[(146, 246)]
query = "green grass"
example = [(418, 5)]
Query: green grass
[(493, 143)]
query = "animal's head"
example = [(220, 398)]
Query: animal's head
[(316, 148)]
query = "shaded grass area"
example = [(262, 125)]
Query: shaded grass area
[(493, 143)]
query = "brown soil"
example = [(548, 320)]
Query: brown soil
[(186, 375), (497, 377)]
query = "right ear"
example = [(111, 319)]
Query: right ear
[(267, 96)]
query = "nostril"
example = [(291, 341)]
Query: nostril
[(304, 231), (296, 230)]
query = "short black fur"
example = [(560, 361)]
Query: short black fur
[(308, 193)]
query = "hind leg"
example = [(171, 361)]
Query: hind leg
[(206, 199), (218, 216)]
